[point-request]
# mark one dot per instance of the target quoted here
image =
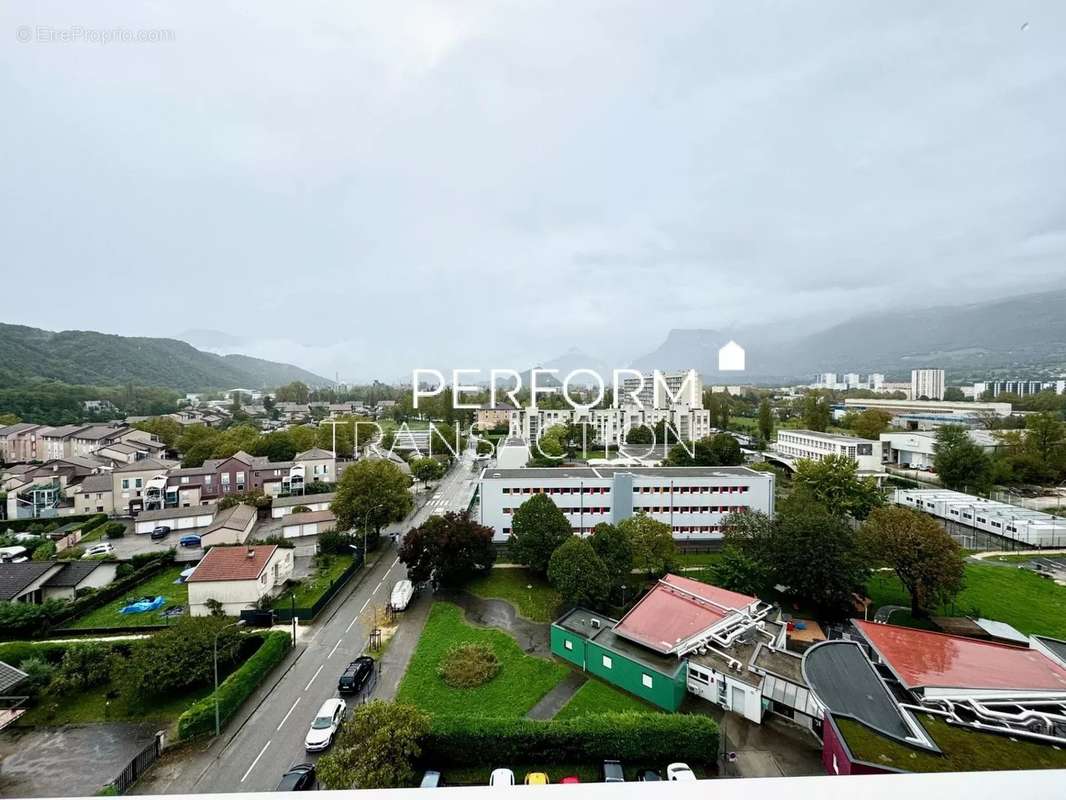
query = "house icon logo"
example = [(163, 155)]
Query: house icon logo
[(731, 357)]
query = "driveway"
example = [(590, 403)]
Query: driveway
[(67, 761)]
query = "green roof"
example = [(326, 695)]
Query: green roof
[(964, 749)]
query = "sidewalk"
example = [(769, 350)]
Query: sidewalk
[(401, 647)]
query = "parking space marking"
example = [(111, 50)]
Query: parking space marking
[(249, 772), (308, 686), (294, 704)]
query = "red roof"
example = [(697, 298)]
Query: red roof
[(233, 563), (677, 609), (929, 659)]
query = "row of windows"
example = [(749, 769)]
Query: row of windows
[(573, 510), (556, 490), (690, 509), (636, 489)]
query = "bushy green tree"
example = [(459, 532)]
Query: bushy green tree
[(614, 549), (178, 658), (427, 469), (537, 528), (960, 462), (928, 562), (815, 412), (652, 542), (834, 482), (578, 574), (766, 420), (447, 550), (373, 489), (377, 749)]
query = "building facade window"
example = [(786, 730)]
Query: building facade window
[(568, 644), (607, 662), (645, 678)]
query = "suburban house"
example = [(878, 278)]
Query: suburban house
[(38, 581), (47, 490), (232, 525), (283, 506), (94, 495), (688, 637), (318, 464), (238, 577), (129, 483), (20, 442), (178, 519), (241, 472), (899, 699)]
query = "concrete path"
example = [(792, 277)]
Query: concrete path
[(401, 647), (553, 701)]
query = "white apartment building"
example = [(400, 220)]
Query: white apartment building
[(610, 425), (928, 383), (814, 445), (875, 381), (670, 390), (851, 380), (1020, 387), (693, 501)]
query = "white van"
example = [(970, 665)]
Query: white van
[(13, 555), (402, 593)]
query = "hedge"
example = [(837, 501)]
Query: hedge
[(14, 653), (640, 738), (52, 523), (199, 718)]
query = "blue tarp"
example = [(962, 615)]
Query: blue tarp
[(142, 606)]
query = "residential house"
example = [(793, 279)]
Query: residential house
[(130, 484), (54, 440), (178, 519), (238, 577), (319, 465), (88, 440), (283, 506), (231, 526), (94, 495), (491, 417), (47, 489), (308, 523), (98, 406), (19, 442), (38, 581)]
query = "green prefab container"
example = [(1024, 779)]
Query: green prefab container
[(587, 640)]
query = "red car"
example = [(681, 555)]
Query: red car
[(570, 779)]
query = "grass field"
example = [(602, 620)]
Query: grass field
[(1018, 597), (161, 584), (540, 604), (310, 589), (93, 705), (520, 683), (596, 697)]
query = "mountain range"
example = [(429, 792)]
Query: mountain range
[(87, 357)]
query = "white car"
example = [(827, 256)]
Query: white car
[(104, 549), (501, 777), (402, 593), (679, 772), (324, 728)]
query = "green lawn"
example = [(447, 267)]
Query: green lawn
[(596, 697), (1018, 597), (698, 559), (92, 706), (964, 749), (540, 604), (160, 584), (310, 589), (520, 683)]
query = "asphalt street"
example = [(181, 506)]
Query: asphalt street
[(271, 739)]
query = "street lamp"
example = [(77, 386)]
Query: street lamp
[(293, 597), (237, 624), (366, 524), (623, 596)]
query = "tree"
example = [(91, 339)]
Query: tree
[(295, 392), (814, 553), (835, 483), (959, 461), (178, 658), (927, 561), (577, 573), (870, 424), (737, 571), (537, 528), (377, 749), (725, 450), (615, 551), (654, 549), (375, 490), (166, 429), (427, 469), (719, 450), (954, 394), (766, 420), (447, 550), (640, 434), (1045, 440), (815, 412)]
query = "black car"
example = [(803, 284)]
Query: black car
[(299, 778), (650, 775), (356, 675), (162, 532)]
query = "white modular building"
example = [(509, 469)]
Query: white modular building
[(693, 501), (1023, 525)]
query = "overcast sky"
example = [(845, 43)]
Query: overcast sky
[(371, 187)]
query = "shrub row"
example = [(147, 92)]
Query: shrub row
[(49, 524), (641, 738), (199, 718), (15, 653)]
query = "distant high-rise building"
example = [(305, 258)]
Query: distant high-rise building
[(927, 383), (876, 381), (1020, 387), (851, 380)]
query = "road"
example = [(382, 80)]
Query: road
[(272, 737)]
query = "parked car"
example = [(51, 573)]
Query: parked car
[(571, 779), (326, 724), (102, 549), (501, 776), (14, 554), (431, 779), (299, 778), (26, 537), (537, 779), (680, 772), (192, 540), (355, 675), (402, 593), (612, 772), (649, 775), (160, 532)]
